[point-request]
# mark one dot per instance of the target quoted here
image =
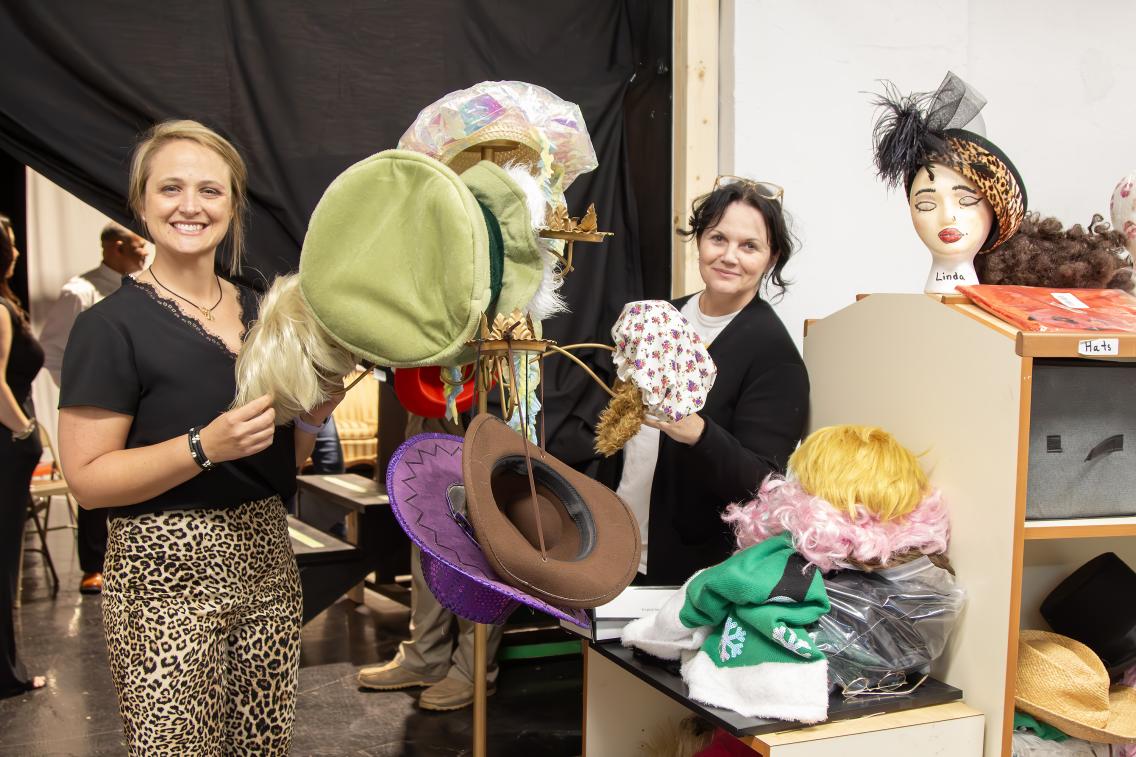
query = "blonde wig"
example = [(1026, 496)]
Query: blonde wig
[(621, 419), (161, 134), (289, 355), (850, 465)]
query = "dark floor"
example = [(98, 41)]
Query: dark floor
[(536, 711)]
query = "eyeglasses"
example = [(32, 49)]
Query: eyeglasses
[(891, 685), (766, 189)]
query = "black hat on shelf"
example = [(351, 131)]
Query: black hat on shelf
[(1095, 606)]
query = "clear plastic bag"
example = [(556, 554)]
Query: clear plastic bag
[(886, 626)]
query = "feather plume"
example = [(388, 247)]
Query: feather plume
[(548, 301), (901, 140)]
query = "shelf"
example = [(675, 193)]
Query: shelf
[(931, 693), (1080, 528)]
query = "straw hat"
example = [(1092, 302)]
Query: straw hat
[(1062, 683)]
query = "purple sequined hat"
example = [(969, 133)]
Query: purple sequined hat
[(424, 483)]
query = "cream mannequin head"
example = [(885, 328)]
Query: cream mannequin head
[(953, 219)]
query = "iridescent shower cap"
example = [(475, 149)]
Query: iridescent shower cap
[(550, 131)]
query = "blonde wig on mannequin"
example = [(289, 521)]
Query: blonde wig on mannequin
[(850, 465), (289, 355), (161, 134)]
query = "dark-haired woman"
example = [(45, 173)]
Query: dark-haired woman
[(679, 477), (21, 357)]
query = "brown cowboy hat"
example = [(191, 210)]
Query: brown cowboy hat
[(1063, 683), (591, 538)]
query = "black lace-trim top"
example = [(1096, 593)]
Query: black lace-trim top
[(243, 302), (138, 354)]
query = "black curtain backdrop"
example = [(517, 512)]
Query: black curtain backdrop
[(306, 89)]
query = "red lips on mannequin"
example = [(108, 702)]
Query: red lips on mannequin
[(950, 235)]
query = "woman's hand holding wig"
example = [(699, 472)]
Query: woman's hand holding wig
[(289, 355)]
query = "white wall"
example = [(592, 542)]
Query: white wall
[(1059, 77), (63, 241)]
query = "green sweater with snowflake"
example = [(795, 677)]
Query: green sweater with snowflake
[(758, 603)]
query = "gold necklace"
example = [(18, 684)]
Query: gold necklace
[(208, 312)]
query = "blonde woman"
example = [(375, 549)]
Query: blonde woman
[(202, 597)]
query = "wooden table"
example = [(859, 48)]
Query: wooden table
[(626, 700)]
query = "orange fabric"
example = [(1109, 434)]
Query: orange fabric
[(1046, 309)]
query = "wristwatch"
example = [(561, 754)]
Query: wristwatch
[(19, 435)]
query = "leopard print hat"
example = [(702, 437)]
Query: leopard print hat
[(980, 160)]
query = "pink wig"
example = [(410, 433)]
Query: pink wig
[(829, 538)]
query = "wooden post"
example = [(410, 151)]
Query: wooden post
[(480, 630), (695, 148)]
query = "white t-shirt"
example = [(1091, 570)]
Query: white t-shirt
[(641, 453)]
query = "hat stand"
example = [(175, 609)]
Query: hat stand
[(510, 335), (495, 345)]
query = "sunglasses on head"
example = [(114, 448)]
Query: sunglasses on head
[(766, 189)]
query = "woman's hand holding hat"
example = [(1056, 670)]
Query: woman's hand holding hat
[(686, 431)]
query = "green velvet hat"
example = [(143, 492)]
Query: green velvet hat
[(402, 256)]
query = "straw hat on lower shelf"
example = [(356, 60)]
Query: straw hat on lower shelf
[(1063, 683)]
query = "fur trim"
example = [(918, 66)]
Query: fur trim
[(830, 539), (661, 633), (783, 690), (621, 419), (548, 301)]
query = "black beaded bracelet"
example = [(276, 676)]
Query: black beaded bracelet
[(195, 450)]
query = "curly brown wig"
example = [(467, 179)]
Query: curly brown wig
[(621, 419), (1045, 254)]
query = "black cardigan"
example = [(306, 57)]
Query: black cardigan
[(755, 415)]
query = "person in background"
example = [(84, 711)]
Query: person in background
[(124, 253), (678, 477), (20, 360), (432, 657)]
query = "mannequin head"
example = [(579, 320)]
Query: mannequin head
[(964, 194), (1123, 210), (949, 213)]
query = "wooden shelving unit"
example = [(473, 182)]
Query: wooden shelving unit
[(1081, 528), (954, 383)]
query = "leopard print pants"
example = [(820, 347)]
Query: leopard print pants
[(201, 610)]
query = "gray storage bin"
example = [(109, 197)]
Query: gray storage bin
[(1082, 446)]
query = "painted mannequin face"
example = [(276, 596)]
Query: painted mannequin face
[(950, 215)]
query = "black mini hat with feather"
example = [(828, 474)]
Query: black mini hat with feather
[(920, 129)]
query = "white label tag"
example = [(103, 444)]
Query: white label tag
[(1069, 300), (1093, 347)]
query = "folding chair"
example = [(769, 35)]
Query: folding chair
[(43, 488)]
